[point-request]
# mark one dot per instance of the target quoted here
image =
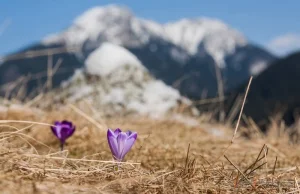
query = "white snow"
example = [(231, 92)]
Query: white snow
[(121, 84), (81, 90), (157, 98), (115, 96), (217, 38), (118, 25), (108, 57), (53, 38), (258, 67), (178, 55), (112, 23)]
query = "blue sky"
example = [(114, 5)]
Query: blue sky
[(271, 23)]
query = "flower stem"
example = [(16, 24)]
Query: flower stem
[(61, 146)]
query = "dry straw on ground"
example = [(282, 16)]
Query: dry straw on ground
[(168, 157)]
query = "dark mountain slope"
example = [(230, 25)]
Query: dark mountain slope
[(275, 90), (35, 70)]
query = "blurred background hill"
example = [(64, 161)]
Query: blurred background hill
[(132, 57)]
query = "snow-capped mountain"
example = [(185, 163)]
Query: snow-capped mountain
[(112, 23), (118, 83), (118, 25), (183, 54)]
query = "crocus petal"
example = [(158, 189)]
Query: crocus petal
[(128, 133), (57, 123), (64, 133), (72, 131), (58, 131), (53, 128), (129, 143), (121, 139), (117, 132), (112, 142), (65, 122)]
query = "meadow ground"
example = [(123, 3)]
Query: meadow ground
[(168, 157)]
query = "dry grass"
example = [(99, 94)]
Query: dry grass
[(168, 157)]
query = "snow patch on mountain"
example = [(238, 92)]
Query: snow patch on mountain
[(120, 86), (156, 98), (179, 56), (217, 38), (55, 38), (108, 57), (257, 67)]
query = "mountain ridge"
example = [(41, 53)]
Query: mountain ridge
[(185, 33), (184, 57)]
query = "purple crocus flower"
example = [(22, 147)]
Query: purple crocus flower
[(63, 130), (120, 142)]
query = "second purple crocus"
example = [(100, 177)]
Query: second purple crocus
[(63, 130), (120, 142)]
